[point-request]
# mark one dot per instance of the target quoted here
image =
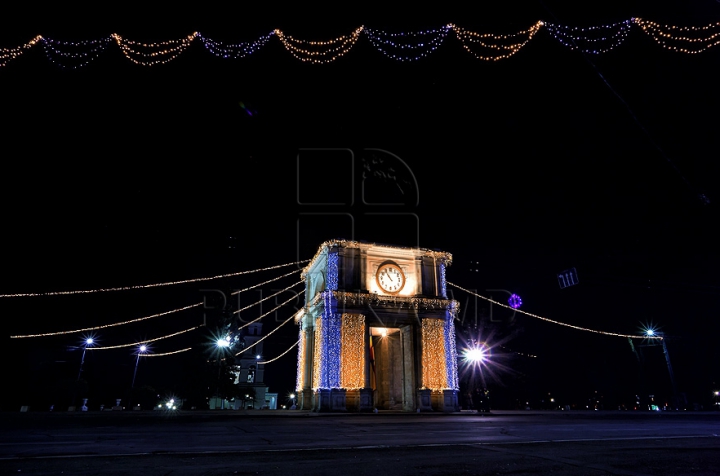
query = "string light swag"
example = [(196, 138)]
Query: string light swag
[(319, 52), (553, 321), (9, 54), (682, 39), (407, 46), (240, 50), (497, 47), (105, 326), (150, 54), (165, 353), (267, 335), (271, 310), (155, 285), (595, 39), (276, 358), (74, 55), (145, 341)]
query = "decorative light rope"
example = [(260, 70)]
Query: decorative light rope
[(9, 54), (166, 353), (496, 42), (266, 298), (171, 49), (555, 322), (234, 51), (289, 349), (268, 281), (155, 285), (58, 49), (595, 39), (319, 52), (387, 42), (267, 335), (105, 326), (144, 341), (271, 310), (664, 35)]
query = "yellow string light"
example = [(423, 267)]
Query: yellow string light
[(264, 282), (300, 380), (155, 285), (434, 371), (267, 335), (266, 298), (271, 310), (144, 341), (9, 54), (705, 36), (496, 42), (352, 351), (47, 334), (273, 360), (439, 255), (319, 52), (317, 353), (166, 353), (553, 321), (173, 48)]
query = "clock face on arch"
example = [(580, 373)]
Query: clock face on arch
[(390, 277)]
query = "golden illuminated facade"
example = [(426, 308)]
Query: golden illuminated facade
[(377, 330)]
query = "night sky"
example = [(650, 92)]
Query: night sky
[(117, 174)]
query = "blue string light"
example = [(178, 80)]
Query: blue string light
[(451, 355), (398, 47), (57, 51), (332, 272), (237, 51), (594, 39)]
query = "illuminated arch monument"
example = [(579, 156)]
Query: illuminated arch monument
[(377, 336)]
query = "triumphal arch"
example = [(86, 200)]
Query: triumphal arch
[(377, 330)]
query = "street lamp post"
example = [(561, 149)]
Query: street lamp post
[(141, 350), (222, 344), (88, 343), (652, 333)]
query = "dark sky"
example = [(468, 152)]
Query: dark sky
[(118, 174)]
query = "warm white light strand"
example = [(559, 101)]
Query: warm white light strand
[(553, 321), (144, 341), (319, 52), (9, 54), (266, 282), (170, 49), (155, 285), (289, 349), (671, 37), (493, 41), (166, 353), (267, 335), (271, 310), (266, 298), (105, 326)]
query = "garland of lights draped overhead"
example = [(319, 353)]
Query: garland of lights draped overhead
[(400, 46), (145, 341), (595, 39), (279, 356), (166, 353), (268, 334), (155, 285), (105, 326), (615, 334), (492, 47)]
